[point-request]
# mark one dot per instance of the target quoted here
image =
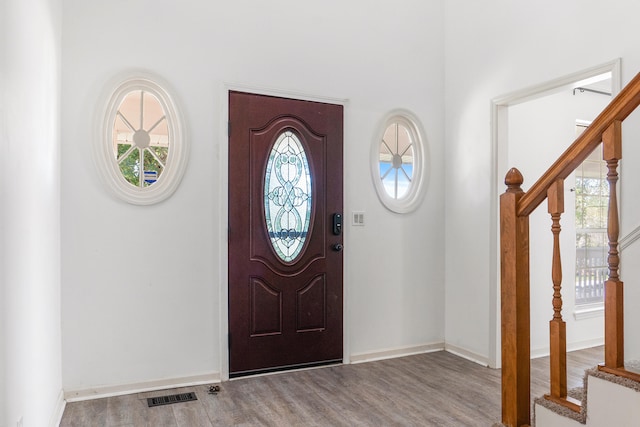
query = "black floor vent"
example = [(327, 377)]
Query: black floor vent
[(174, 398)]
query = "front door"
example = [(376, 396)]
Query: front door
[(285, 233)]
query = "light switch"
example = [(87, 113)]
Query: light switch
[(358, 218)]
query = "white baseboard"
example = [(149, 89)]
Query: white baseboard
[(121, 389), (581, 345), (466, 354), (395, 352), (572, 346), (58, 411), (539, 352)]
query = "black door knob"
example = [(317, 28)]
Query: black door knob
[(338, 247)]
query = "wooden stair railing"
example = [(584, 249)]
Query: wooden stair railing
[(515, 208)]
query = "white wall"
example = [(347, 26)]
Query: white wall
[(494, 48), (531, 147), (30, 200), (3, 155), (129, 318)]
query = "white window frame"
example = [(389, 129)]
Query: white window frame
[(410, 201), (178, 154)]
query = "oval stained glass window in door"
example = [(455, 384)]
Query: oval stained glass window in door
[(287, 196)]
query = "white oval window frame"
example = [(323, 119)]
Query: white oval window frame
[(410, 201), (178, 155)]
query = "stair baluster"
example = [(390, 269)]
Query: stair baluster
[(614, 330), (557, 326)]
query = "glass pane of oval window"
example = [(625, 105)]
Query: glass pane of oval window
[(141, 138), (396, 160), (287, 196)]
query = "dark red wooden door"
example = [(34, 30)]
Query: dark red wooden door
[(285, 259)]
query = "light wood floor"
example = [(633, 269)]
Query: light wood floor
[(433, 389)]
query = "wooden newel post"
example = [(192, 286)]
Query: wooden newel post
[(514, 277), (613, 305), (557, 326)]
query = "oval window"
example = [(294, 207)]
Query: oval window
[(141, 141), (287, 196), (396, 159), (398, 162), (142, 152)]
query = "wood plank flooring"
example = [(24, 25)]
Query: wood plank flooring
[(433, 389)]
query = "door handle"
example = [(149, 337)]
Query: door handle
[(337, 247)]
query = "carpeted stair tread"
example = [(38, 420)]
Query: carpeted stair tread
[(581, 394), (577, 393)]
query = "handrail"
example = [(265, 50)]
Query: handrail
[(515, 208), (619, 108)]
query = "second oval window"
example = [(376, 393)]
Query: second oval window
[(398, 162)]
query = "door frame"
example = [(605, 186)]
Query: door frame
[(499, 145), (222, 152)]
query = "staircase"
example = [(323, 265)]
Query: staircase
[(612, 389), (606, 400)]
